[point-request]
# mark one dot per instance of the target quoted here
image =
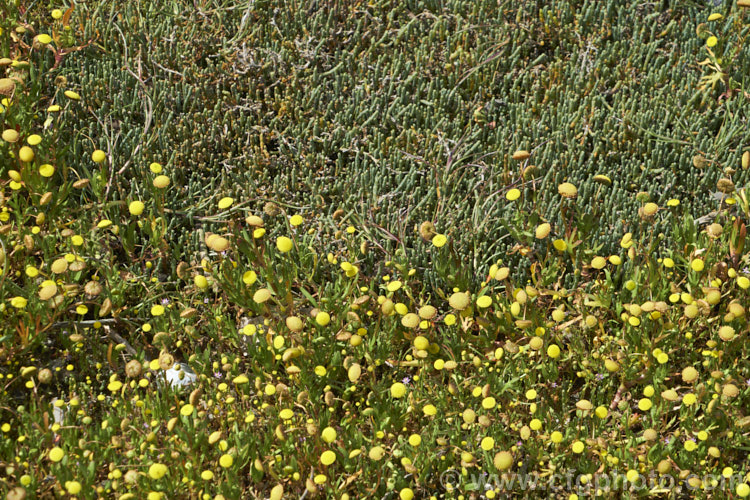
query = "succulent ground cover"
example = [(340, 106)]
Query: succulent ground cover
[(384, 249)]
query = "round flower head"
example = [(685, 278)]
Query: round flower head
[(26, 154), (503, 460), (567, 190), (542, 231), (226, 461), (249, 277), (200, 281), (328, 435), (421, 343), (327, 457), (10, 135), (598, 262), (603, 179), (136, 207), (484, 301), (261, 295), (18, 302), (553, 351), (225, 202), (376, 453), (427, 312), (56, 454), (157, 471), (294, 323), (650, 208), (410, 320), (161, 181), (513, 194), (459, 301), (487, 443), (284, 244), (217, 243), (73, 487), (46, 170), (48, 291), (398, 390), (98, 156), (322, 318)]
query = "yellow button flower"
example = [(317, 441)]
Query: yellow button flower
[(484, 301), (226, 461), (439, 240), (98, 156), (46, 170), (56, 454), (157, 471), (136, 207), (406, 494), (323, 318), (18, 302), (503, 460), (73, 487), (328, 435), (487, 444), (26, 154), (553, 351), (284, 244), (161, 181), (398, 390), (327, 457)]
